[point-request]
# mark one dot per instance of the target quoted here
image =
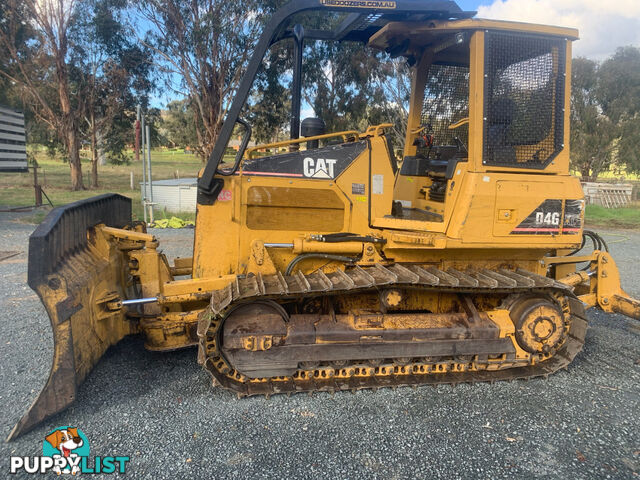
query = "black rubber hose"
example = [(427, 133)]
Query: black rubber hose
[(602, 244), (339, 234), (353, 239), (326, 256), (596, 240), (350, 237), (584, 241)]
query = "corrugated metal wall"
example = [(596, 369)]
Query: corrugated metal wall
[(175, 195), (13, 150)]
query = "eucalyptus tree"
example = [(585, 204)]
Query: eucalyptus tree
[(40, 70), (201, 48)]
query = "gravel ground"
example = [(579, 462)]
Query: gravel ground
[(161, 410)]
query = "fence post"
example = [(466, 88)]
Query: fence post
[(149, 177)]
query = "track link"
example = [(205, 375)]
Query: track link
[(392, 373)]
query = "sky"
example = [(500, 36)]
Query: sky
[(604, 25)]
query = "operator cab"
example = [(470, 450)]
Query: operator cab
[(437, 133), (486, 96)]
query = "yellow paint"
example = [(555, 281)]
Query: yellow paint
[(471, 228)]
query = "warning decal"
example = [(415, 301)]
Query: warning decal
[(572, 222), (357, 189)]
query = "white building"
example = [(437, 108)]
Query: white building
[(174, 195)]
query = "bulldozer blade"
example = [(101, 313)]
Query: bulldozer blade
[(77, 273)]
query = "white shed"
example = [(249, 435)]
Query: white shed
[(174, 195), (13, 149)]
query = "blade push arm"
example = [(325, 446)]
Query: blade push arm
[(599, 285)]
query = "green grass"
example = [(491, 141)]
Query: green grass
[(16, 189), (627, 217)]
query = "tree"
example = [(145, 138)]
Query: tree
[(14, 25), (40, 71), (393, 94), (269, 109), (114, 72), (177, 125), (605, 113), (339, 81), (592, 131), (619, 93), (348, 86), (206, 44)]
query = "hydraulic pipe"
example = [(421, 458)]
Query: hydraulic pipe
[(301, 245), (139, 301)]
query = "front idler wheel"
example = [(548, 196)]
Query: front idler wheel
[(539, 325)]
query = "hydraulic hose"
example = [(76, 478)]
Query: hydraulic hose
[(326, 256)]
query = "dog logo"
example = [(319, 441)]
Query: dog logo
[(66, 445), (66, 450)]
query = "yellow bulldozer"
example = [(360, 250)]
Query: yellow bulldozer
[(333, 265)]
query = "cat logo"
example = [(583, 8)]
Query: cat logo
[(320, 168)]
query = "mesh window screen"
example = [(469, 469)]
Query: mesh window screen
[(446, 101), (524, 99)]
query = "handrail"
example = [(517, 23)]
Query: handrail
[(459, 123), (376, 130), (241, 149), (345, 135)]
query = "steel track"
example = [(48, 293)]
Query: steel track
[(358, 375)]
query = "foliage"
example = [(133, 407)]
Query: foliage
[(114, 71), (348, 85), (339, 83), (269, 109), (619, 90), (15, 28), (605, 113), (206, 45), (77, 73), (592, 132), (393, 79), (41, 69), (177, 127)]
